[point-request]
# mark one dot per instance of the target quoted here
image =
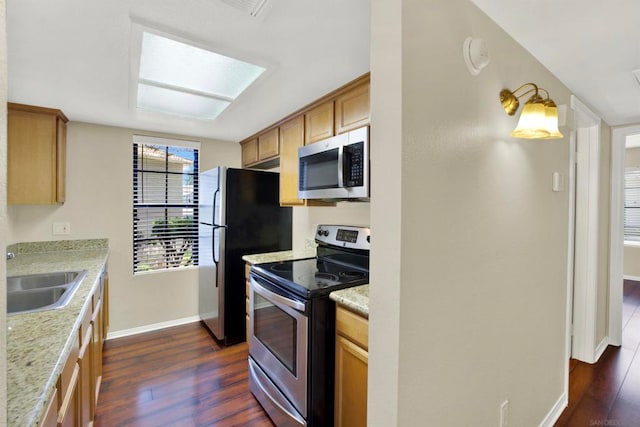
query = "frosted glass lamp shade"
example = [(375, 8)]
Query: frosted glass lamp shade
[(551, 119), (532, 123)]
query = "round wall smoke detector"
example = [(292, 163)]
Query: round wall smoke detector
[(476, 55)]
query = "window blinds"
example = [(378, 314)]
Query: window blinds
[(165, 206), (632, 203)]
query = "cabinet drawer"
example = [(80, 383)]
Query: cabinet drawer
[(66, 375), (84, 326), (352, 326)]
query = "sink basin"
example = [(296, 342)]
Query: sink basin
[(38, 281), (39, 292)]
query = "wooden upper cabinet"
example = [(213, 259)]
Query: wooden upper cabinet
[(250, 152), (318, 123), (36, 155), (291, 138), (352, 109), (268, 145)]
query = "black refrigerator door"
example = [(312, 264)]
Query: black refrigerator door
[(255, 224)]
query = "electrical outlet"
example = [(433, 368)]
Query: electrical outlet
[(504, 414), (61, 228)]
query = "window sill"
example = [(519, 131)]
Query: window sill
[(631, 244), (168, 270)]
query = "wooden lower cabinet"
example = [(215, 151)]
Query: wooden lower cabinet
[(86, 391), (352, 358), (50, 418), (76, 394), (68, 414)]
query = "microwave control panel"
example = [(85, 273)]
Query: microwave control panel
[(354, 165)]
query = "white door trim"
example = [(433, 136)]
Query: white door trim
[(570, 258), (616, 238), (585, 269)]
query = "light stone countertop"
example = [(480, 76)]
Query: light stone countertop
[(39, 343), (308, 252), (355, 299)]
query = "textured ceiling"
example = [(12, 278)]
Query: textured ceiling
[(76, 55), (592, 46)]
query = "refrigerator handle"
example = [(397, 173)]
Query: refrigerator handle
[(213, 214)]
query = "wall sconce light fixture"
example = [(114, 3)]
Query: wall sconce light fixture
[(539, 117)]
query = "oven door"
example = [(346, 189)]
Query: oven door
[(278, 342)]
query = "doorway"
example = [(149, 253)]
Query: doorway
[(616, 239)]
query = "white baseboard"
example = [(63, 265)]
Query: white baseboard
[(634, 278), (556, 411), (153, 327)]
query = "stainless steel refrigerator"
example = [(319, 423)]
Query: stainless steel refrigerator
[(240, 214)]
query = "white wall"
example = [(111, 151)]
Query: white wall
[(99, 205), (469, 269), (306, 219), (3, 210)]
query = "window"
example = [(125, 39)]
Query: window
[(632, 203), (165, 204)]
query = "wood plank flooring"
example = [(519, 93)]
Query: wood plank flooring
[(607, 393), (182, 377), (176, 377)]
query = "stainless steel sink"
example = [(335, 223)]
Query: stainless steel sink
[(39, 292)]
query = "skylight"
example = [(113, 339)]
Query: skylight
[(180, 79)]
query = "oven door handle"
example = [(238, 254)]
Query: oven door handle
[(297, 305)]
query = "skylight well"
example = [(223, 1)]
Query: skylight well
[(180, 79)]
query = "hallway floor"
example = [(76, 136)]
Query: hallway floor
[(607, 393)]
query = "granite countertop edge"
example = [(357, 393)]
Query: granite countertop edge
[(280, 256), (38, 344), (355, 299)]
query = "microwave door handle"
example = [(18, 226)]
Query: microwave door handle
[(341, 166)]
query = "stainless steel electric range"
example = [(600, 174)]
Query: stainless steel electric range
[(292, 326)]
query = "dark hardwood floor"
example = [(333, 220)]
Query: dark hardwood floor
[(182, 377), (176, 377), (607, 393)]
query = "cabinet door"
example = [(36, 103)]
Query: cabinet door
[(291, 138), (352, 109), (351, 384), (50, 417), (105, 307), (85, 383), (268, 145), (68, 416), (318, 123), (250, 152), (96, 323), (61, 160), (31, 158)]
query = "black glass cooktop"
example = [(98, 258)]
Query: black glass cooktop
[(315, 276)]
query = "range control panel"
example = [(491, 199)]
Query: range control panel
[(346, 236)]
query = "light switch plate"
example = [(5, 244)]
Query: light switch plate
[(61, 228)]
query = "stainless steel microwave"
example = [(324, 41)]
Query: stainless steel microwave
[(335, 168)]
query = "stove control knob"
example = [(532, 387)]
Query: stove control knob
[(369, 239), (319, 232), (325, 233)]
